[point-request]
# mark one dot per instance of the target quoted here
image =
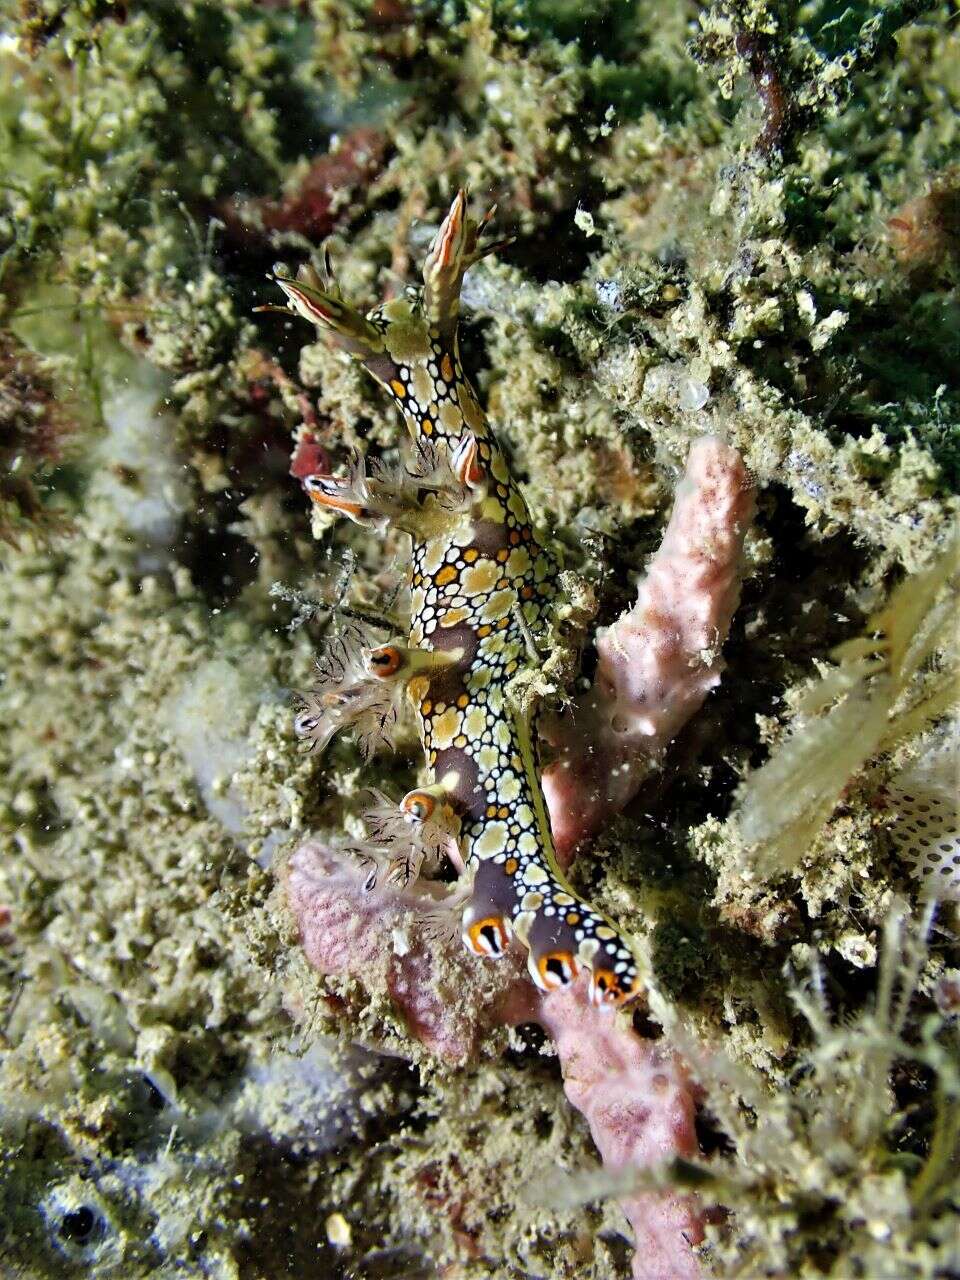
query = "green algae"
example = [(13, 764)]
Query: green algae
[(689, 258)]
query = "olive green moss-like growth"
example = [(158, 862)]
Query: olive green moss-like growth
[(835, 1172), (796, 816)]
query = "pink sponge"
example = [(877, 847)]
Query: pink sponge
[(658, 662), (634, 1095), (640, 1109)]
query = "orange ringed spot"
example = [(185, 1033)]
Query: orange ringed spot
[(398, 389), (488, 937), (463, 700), (470, 554), (510, 866), (557, 968)]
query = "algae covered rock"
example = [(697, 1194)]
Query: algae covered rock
[(736, 221)]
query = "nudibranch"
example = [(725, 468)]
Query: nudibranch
[(482, 587)]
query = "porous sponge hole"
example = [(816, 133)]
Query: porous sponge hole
[(927, 836)]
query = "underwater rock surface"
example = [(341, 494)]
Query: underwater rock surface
[(729, 222)]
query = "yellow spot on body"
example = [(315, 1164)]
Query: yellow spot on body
[(452, 617), (445, 728), (397, 387), (406, 338), (587, 949), (503, 555), (491, 842), (446, 368), (426, 426), (509, 788), (498, 468), (450, 417), (422, 385), (474, 723), (491, 810), (447, 574), (497, 608), (417, 688), (472, 413), (460, 741), (470, 555), (510, 866), (519, 563), (572, 917), (518, 507), (463, 701), (426, 707), (484, 631), (503, 812), (480, 578), (605, 932), (433, 555)]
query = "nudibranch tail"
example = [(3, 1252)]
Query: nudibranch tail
[(481, 585)]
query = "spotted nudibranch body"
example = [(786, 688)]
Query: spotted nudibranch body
[(481, 588)]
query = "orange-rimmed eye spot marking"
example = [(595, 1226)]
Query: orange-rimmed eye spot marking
[(385, 661), (488, 937), (556, 969), (605, 988), (419, 806)]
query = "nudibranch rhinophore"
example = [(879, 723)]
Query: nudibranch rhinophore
[(481, 589)]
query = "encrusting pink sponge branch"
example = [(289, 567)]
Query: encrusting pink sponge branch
[(657, 662), (638, 1103), (632, 1092)]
